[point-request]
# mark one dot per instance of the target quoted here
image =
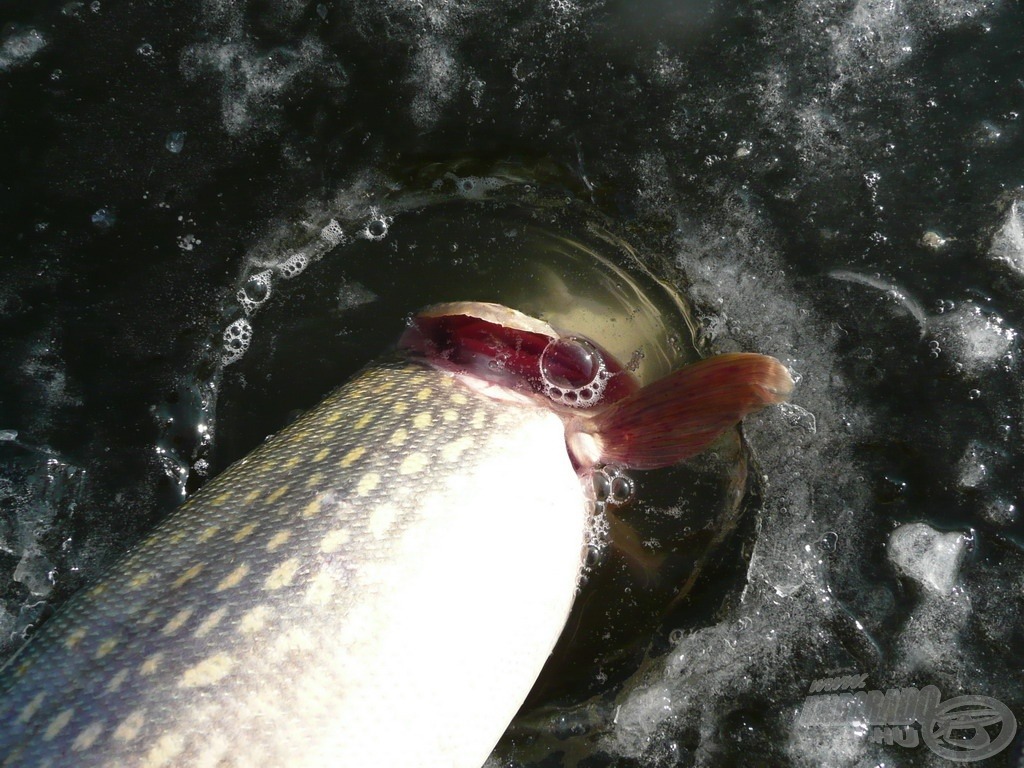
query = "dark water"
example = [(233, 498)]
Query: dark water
[(835, 183)]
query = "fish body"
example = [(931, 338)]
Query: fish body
[(312, 606), (379, 584)]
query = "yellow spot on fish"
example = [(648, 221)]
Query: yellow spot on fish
[(87, 737), (423, 420), (211, 621), (57, 724), (453, 450), (234, 578), (254, 619), (31, 708), (207, 672), (117, 681), (277, 494), (459, 399), (413, 463), (424, 393), (99, 589), (166, 749), (335, 540), (365, 419), (278, 539), (322, 454), (151, 664), (74, 637), (177, 537), (367, 483), (179, 619), (140, 579), (332, 417), (244, 532), (381, 519), (252, 495), (292, 462), (221, 499), (477, 422), (106, 647), (352, 456), (150, 617), (399, 437), (314, 480), (400, 407), (321, 589), (188, 575), (24, 667), (313, 508), (283, 575), (449, 415), (129, 728), (208, 534)]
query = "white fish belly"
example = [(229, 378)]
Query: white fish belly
[(467, 606)]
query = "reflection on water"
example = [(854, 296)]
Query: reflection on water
[(833, 183)]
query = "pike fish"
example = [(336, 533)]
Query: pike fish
[(380, 583)]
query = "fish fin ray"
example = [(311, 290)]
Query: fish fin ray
[(682, 414)]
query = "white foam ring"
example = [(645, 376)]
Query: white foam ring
[(251, 303)]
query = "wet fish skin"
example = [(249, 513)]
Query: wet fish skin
[(261, 623)]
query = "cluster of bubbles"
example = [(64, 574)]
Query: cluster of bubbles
[(584, 392), (258, 287), (237, 338), (607, 487)]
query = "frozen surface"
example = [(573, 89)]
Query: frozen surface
[(1008, 242), (976, 340), (929, 557), (834, 183)]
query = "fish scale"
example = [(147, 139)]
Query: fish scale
[(269, 597)]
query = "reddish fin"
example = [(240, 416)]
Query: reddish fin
[(682, 414)]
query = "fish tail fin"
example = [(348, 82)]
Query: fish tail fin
[(680, 415)]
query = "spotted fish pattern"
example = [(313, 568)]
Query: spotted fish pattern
[(200, 642)]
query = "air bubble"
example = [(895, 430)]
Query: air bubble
[(573, 372), (175, 141), (256, 290), (622, 489), (611, 486), (237, 338), (104, 218), (377, 227)]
